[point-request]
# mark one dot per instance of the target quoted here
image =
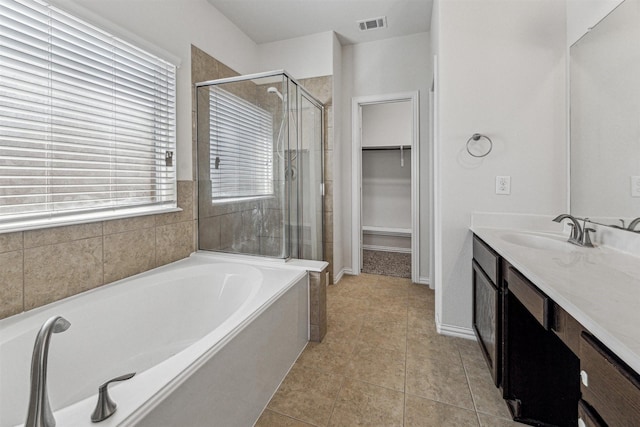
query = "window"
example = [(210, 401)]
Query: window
[(87, 121), (241, 154)]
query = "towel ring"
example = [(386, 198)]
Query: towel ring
[(477, 137)]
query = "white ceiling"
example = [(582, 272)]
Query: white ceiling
[(272, 20)]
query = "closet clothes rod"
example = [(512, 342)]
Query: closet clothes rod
[(400, 148)]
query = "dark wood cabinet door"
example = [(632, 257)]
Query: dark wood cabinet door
[(486, 319)]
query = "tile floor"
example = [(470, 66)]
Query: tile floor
[(383, 364)]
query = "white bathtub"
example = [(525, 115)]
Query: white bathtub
[(209, 339)]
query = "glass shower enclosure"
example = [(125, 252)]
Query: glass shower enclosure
[(260, 167)]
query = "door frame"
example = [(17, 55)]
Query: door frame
[(356, 179)]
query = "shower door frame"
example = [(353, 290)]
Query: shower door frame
[(356, 178), (301, 91)]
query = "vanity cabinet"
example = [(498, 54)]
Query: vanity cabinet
[(487, 314), (608, 385), (551, 369), (540, 373), (610, 389)]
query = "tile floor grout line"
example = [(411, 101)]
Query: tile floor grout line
[(335, 401), (468, 377), (289, 416), (452, 405)]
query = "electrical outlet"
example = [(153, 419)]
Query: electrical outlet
[(635, 186), (503, 185)]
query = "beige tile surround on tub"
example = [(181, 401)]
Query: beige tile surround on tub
[(382, 363), (42, 266)]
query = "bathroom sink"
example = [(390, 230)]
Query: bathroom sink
[(537, 241)]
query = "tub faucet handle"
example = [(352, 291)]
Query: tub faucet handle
[(106, 407)]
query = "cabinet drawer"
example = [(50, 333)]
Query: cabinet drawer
[(567, 328), (536, 302), (587, 417), (610, 386), (486, 258)]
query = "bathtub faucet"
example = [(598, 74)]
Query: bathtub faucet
[(40, 414)]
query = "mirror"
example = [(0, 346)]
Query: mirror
[(605, 119)]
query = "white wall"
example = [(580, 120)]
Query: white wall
[(386, 189), (334, 116), (584, 14), (501, 72), (173, 26), (395, 65), (302, 57), (387, 124)]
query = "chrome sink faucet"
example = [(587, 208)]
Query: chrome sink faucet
[(579, 235), (39, 413)]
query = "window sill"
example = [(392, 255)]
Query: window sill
[(83, 218)]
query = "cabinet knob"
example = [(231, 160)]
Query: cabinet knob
[(581, 422), (584, 377)]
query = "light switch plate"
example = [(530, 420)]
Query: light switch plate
[(503, 185), (635, 186)]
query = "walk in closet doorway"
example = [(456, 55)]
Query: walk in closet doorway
[(386, 176)]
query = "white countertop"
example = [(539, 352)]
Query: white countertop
[(599, 287)]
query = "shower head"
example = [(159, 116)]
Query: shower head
[(276, 91)]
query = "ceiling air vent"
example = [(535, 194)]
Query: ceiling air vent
[(372, 24)]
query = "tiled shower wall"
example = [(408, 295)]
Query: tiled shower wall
[(223, 223), (42, 266), (322, 89)]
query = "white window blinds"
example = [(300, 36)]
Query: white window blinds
[(241, 154), (86, 120)]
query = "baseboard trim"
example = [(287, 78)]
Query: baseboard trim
[(423, 280), (386, 249), (456, 331), (341, 273)]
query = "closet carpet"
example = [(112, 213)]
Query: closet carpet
[(386, 263)]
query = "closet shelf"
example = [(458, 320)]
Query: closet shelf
[(386, 231), (385, 147)]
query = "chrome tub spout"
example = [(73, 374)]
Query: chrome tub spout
[(39, 413)]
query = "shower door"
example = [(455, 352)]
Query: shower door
[(260, 179), (311, 179)]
